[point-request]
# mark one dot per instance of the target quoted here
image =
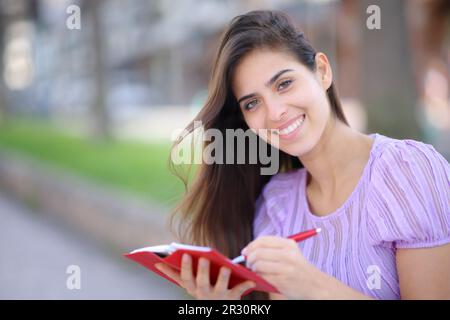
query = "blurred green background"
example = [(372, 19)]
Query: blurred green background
[(135, 166)]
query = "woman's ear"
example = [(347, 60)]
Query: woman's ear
[(323, 70)]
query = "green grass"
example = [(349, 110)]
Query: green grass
[(135, 167)]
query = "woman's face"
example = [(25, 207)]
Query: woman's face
[(276, 91)]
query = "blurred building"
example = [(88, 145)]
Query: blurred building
[(156, 49), (137, 55)]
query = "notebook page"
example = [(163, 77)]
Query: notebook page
[(165, 249), (175, 245)]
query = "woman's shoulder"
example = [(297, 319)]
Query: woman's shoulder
[(405, 148), (410, 167), (408, 193), (408, 157)]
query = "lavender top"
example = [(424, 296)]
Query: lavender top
[(400, 201)]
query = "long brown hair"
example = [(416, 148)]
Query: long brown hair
[(219, 205)]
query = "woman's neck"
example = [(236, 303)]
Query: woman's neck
[(338, 154)]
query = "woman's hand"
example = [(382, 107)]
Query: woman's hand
[(200, 287), (280, 262)]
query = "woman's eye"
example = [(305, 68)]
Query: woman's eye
[(284, 84), (250, 105)]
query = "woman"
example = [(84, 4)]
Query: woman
[(382, 203)]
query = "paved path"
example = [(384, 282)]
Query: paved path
[(35, 252)]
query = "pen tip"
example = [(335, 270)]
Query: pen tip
[(318, 230)]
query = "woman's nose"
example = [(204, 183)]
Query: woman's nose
[(276, 111)]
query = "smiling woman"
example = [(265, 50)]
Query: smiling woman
[(296, 85), (382, 203)]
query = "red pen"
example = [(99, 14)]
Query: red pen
[(297, 237), (305, 234)]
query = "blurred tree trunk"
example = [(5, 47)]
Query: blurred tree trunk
[(388, 88), (4, 109), (101, 123)]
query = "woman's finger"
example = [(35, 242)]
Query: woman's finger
[(170, 272), (202, 278), (266, 254), (186, 273), (222, 280), (267, 267), (239, 289)]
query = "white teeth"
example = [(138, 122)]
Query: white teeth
[(292, 127)]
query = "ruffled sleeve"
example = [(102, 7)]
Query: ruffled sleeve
[(274, 204), (408, 198)]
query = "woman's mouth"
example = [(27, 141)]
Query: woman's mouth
[(290, 131)]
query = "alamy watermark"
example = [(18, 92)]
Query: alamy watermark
[(373, 21), (73, 21), (73, 281), (229, 148), (374, 279)]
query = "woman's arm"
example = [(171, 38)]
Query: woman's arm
[(328, 288), (424, 273), (280, 262)]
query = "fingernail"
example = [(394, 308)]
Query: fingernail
[(185, 258), (244, 251)]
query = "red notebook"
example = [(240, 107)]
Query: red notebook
[(171, 255)]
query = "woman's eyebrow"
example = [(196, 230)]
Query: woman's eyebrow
[(268, 84)]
